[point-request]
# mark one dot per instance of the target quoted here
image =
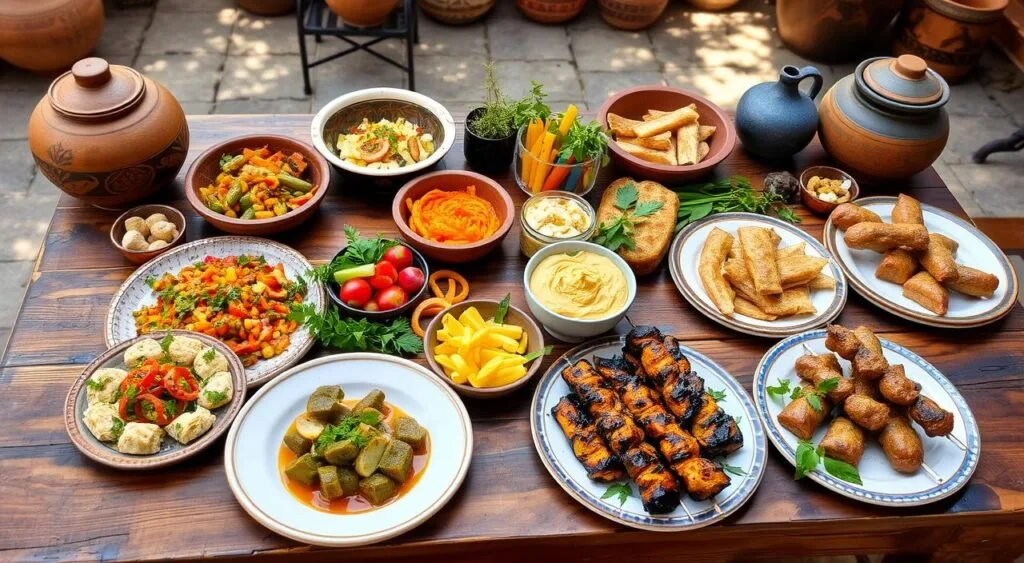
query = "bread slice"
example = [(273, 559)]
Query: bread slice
[(653, 233), (622, 127), (668, 122), (650, 155)]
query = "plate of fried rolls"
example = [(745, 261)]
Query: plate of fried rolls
[(647, 432), (878, 423), (920, 262), (757, 274)]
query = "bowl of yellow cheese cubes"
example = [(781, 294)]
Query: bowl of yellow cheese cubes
[(484, 349)]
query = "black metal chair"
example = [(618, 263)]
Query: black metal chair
[(316, 19), (1012, 143)]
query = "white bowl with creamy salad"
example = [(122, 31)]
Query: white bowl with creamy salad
[(577, 289), (554, 216)]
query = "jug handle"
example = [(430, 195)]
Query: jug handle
[(794, 76)]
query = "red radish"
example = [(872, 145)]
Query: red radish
[(400, 256), (391, 298), (384, 275), (356, 293), (410, 279), (371, 306)]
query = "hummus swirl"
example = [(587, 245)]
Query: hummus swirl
[(586, 286)]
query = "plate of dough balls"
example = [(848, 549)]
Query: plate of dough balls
[(155, 400), (146, 231)]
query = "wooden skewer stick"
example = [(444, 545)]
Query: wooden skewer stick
[(807, 348), (931, 473), (718, 509), (682, 503), (956, 441)]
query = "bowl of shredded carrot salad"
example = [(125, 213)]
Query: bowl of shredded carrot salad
[(453, 216), (242, 300), (258, 184)]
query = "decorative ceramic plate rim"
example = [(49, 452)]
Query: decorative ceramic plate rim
[(301, 340), (940, 491), (998, 310), (708, 310), (734, 502), (331, 541), (109, 456)]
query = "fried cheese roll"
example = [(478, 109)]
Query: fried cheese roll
[(951, 244), (897, 266), (924, 290), (901, 444), (907, 210), (846, 215), (881, 237), (746, 308), (938, 261), (844, 441), (800, 269), (712, 256), (974, 282), (759, 256)]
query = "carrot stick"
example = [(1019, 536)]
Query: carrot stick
[(558, 173), (531, 160), (542, 166), (567, 118)]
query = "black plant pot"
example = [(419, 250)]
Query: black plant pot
[(487, 155)]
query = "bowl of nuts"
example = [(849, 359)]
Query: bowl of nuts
[(823, 188), (145, 231)]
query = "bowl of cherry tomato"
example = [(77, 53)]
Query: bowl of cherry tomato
[(380, 289)]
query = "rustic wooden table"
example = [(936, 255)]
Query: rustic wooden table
[(59, 505)]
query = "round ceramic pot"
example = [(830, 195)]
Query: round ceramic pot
[(267, 7), (456, 12), (49, 35), (949, 35), (713, 5), (551, 11), (485, 154), (886, 120), (775, 120), (363, 13), (108, 135), (631, 14), (832, 30)]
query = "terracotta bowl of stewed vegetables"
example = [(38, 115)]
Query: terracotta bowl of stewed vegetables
[(258, 184)]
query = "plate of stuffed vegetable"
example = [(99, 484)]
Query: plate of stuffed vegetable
[(866, 417), (348, 450), (648, 432), (155, 400), (239, 290)]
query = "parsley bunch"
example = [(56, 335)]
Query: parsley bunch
[(359, 251), (813, 398), (585, 142), (731, 194), (808, 457), (358, 335), (347, 429), (621, 491), (619, 232), (531, 106)]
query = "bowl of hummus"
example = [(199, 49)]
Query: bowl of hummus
[(577, 289)]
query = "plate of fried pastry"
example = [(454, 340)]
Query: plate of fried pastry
[(920, 262), (757, 274), (866, 417)]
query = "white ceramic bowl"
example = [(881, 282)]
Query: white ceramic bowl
[(569, 329), (374, 104)]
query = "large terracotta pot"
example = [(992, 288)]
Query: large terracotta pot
[(49, 35), (950, 35), (833, 30), (456, 12), (363, 13), (267, 7), (713, 5), (551, 11), (886, 120), (631, 14), (108, 135)]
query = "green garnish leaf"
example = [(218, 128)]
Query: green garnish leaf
[(645, 208), (116, 427), (347, 429), (359, 252), (806, 459), (214, 397), (242, 260), (209, 355), (797, 393), (94, 385), (827, 385), (737, 419), (626, 196), (716, 395), (358, 335), (732, 469), (813, 400), (779, 390), (730, 194), (170, 408), (621, 490), (842, 470), (165, 342), (499, 315), (538, 353)]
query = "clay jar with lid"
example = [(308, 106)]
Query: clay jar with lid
[(886, 120), (107, 135)]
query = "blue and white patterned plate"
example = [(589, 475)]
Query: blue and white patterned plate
[(556, 452), (882, 485)]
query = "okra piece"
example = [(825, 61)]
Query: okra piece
[(245, 201), (234, 164), (249, 214), (235, 193), (280, 208), (294, 184), (214, 205)]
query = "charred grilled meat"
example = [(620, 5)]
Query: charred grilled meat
[(715, 430), (659, 489), (701, 477), (601, 464), (933, 419)]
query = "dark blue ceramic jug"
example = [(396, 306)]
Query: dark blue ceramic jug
[(775, 120)]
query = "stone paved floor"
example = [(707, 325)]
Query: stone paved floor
[(218, 59)]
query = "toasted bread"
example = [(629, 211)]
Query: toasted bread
[(668, 122), (653, 233), (650, 155), (622, 128)]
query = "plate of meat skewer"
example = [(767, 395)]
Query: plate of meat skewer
[(677, 450), (866, 417)]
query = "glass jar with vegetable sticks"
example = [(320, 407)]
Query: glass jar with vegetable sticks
[(554, 216), (561, 153)]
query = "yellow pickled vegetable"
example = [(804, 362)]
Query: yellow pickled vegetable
[(480, 352)]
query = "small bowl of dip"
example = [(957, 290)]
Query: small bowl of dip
[(550, 217), (578, 290)]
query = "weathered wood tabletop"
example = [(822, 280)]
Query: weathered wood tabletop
[(59, 505)]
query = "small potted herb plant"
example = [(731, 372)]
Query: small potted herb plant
[(490, 137)]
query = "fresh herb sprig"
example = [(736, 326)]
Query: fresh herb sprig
[(621, 491), (497, 120), (347, 429), (538, 353), (359, 251), (731, 194), (358, 335), (620, 232), (531, 106), (717, 395), (584, 142), (808, 457)]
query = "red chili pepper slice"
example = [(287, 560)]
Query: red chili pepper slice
[(181, 385), (154, 412)]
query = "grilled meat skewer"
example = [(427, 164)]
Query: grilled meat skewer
[(659, 489), (701, 477), (933, 419), (800, 418), (601, 464), (716, 431), (818, 368)]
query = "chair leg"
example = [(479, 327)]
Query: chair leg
[(1012, 143), (307, 88)]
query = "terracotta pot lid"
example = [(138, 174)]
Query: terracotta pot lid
[(93, 89), (904, 80)]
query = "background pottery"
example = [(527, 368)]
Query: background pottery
[(108, 135), (950, 35), (631, 14), (267, 7), (833, 30), (551, 11), (49, 35), (886, 120), (484, 154), (712, 5), (363, 13), (457, 12), (776, 120)]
